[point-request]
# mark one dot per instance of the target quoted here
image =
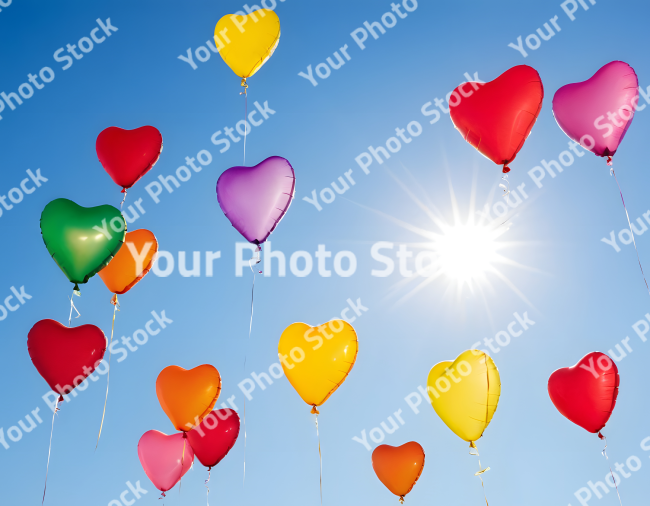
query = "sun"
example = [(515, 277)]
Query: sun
[(466, 252), (469, 251)]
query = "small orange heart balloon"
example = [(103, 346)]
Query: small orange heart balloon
[(188, 396), (131, 263), (398, 467)]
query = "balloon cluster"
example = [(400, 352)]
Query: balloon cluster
[(87, 241), (188, 399)]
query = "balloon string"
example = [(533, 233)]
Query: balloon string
[(180, 480), (250, 330), (108, 373), (611, 171), (49, 452), (506, 186), (604, 452), (245, 93), (72, 306), (124, 199), (479, 473), (320, 457), (206, 484)]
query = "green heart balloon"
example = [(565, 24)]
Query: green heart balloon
[(81, 240)]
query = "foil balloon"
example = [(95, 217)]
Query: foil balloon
[(187, 396), (127, 155), (255, 199), (131, 263), (215, 436), (586, 392), (596, 113), (165, 459), (65, 356), (82, 241), (497, 117), (398, 468), (317, 360), (246, 42), (465, 393)]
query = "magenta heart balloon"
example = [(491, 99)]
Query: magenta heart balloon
[(165, 459), (597, 112), (255, 199)]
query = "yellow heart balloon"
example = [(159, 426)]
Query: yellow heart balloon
[(246, 42), (465, 393), (316, 360)]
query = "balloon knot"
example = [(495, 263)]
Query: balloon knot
[(609, 161), (245, 86), (314, 411), (60, 399), (184, 435), (506, 169), (401, 499), (600, 435), (123, 190), (114, 300)]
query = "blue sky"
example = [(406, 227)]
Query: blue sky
[(581, 293)]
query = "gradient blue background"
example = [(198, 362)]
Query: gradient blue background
[(584, 296)]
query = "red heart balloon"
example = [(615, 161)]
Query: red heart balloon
[(497, 117), (586, 393), (213, 438), (65, 356), (127, 155)]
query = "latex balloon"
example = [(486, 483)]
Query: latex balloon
[(317, 360), (127, 155), (65, 356), (497, 117), (255, 199), (165, 459), (586, 393), (583, 109), (246, 42), (465, 393), (213, 438), (81, 240), (399, 468), (188, 396), (131, 263)]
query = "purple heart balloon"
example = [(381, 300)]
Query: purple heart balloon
[(255, 199), (597, 112)]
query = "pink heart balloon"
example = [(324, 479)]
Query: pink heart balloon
[(165, 459), (597, 112), (255, 199)]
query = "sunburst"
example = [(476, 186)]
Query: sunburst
[(465, 254)]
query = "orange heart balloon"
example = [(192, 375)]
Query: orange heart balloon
[(131, 263), (398, 467), (188, 396)]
